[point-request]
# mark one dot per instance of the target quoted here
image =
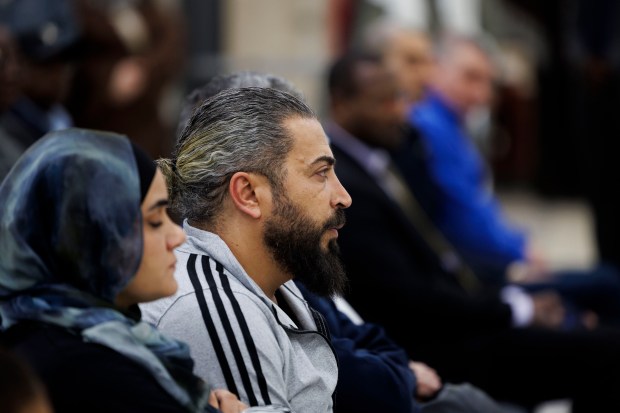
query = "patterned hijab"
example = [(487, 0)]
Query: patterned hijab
[(71, 239)]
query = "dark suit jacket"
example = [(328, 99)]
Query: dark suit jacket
[(412, 158), (396, 280), (373, 371)]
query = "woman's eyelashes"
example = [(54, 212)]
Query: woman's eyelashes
[(156, 218), (155, 224)]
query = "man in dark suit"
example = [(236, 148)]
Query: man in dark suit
[(405, 276)]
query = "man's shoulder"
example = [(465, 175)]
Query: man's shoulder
[(202, 281), (190, 277), (431, 119)]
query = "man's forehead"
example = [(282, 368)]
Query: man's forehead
[(371, 75), (310, 142), (413, 40), (367, 72)]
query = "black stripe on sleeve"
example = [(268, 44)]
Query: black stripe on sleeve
[(206, 317), (262, 382), (230, 335)]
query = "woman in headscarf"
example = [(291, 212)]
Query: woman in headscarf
[(84, 237)]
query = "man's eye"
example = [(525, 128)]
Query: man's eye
[(323, 173), (155, 224)]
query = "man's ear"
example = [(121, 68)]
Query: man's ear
[(245, 189)]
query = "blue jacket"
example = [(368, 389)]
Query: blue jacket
[(373, 371), (470, 215)]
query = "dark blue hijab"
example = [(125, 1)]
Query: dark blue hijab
[(71, 239)]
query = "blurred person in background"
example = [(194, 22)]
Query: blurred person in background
[(406, 51), (471, 217), (507, 133), (399, 266), (469, 214), (589, 293), (47, 37), (125, 83), (376, 374)]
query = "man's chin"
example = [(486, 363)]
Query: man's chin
[(323, 290), (333, 281)]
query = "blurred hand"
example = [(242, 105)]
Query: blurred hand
[(536, 259), (128, 81), (533, 270), (549, 311), (428, 381), (226, 401), (589, 319)]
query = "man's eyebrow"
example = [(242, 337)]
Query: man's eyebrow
[(330, 160), (158, 204)]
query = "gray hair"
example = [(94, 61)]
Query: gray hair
[(247, 78), (235, 130), (447, 43)]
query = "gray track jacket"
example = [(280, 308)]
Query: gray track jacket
[(239, 338)]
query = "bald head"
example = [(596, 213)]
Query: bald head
[(365, 100), (409, 56), (406, 52)]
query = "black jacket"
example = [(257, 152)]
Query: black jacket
[(395, 276), (87, 377)]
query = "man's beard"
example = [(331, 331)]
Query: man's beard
[(295, 242)]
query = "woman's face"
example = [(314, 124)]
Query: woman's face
[(155, 276)]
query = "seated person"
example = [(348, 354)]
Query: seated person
[(252, 177), (407, 53), (468, 213), (374, 373), (466, 331), (441, 163), (84, 237), (46, 36)]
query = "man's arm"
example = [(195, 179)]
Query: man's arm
[(472, 218), (373, 370), (222, 352)]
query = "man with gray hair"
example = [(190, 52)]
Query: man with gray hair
[(374, 373), (253, 177)]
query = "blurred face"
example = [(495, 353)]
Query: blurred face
[(409, 56), (465, 78), (46, 83), (307, 211), (376, 113), (155, 276)]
